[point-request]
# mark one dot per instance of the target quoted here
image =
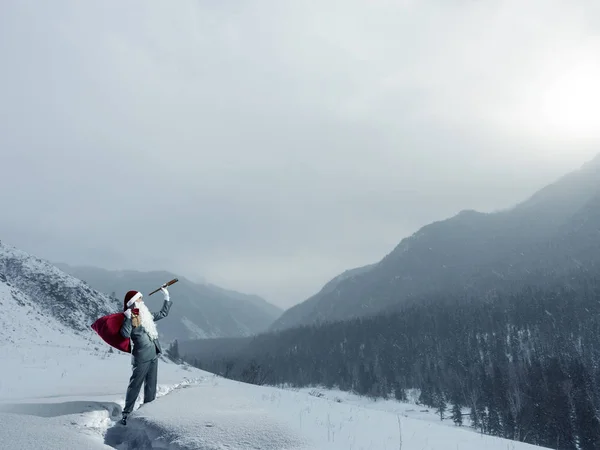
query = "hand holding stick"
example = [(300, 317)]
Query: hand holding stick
[(167, 284)]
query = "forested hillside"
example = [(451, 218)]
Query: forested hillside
[(524, 362)]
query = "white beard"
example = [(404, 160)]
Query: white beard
[(147, 320)]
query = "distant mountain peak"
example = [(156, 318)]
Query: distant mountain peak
[(200, 310), (594, 163), (547, 234)]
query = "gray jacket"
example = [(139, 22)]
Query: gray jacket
[(144, 348)]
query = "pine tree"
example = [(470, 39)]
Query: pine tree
[(475, 419), (173, 351), (426, 397), (440, 404), (457, 415), (559, 432), (399, 393), (509, 426), (483, 417), (586, 421), (365, 379), (493, 425)]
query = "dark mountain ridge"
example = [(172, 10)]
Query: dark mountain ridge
[(552, 232)]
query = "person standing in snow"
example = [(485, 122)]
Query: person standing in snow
[(139, 325)]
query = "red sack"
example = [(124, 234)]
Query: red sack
[(109, 327)]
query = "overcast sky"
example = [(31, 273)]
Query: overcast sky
[(268, 146)]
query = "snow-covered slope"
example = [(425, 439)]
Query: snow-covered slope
[(22, 320), (223, 414), (50, 291), (71, 397), (60, 387)]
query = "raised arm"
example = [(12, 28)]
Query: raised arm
[(164, 312)]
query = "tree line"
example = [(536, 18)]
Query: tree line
[(524, 364)]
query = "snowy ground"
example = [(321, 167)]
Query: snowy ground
[(70, 397), (67, 397), (410, 409), (221, 414)]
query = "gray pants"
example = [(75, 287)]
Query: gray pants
[(147, 373)]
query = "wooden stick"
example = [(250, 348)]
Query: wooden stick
[(167, 284)]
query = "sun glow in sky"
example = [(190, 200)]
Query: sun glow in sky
[(571, 105), (566, 104)]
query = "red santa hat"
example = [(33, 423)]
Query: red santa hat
[(130, 298)]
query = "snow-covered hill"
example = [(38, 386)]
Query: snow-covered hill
[(24, 321), (43, 288)]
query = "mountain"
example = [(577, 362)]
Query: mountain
[(303, 312), (38, 296), (268, 308), (553, 232), (199, 310)]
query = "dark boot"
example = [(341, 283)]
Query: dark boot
[(123, 420)]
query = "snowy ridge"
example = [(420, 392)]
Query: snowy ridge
[(23, 322), (69, 300)]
